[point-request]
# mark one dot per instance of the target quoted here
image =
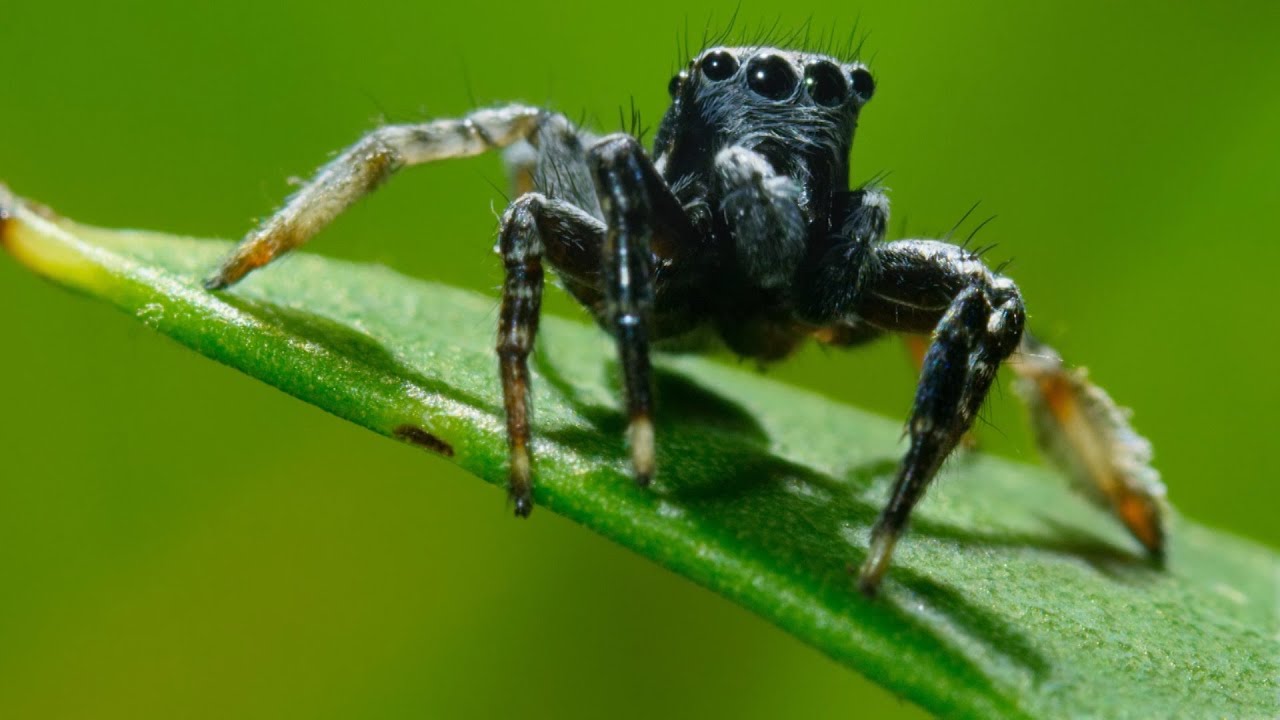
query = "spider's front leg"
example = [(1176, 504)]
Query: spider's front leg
[(521, 243), (977, 320), (362, 168), (642, 216)]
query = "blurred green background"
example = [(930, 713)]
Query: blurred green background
[(177, 540)]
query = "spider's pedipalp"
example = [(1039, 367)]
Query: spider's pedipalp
[(361, 169), (829, 288), (762, 210)]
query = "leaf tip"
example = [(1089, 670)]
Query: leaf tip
[(6, 214), (40, 239)]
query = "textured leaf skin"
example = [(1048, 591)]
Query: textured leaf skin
[(1010, 597)]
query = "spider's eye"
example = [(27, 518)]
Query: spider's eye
[(771, 77), (863, 85), (826, 84), (719, 65), (677, 81)]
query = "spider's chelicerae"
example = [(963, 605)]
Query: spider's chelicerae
[(741, 221)]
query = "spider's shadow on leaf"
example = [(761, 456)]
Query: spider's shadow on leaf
[(737, 480), (802, 521), (694, 419)]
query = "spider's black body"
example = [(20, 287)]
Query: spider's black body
[(764, 181), (740, 225), (743, 221)]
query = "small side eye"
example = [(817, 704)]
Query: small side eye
[(825, 84), (676, 83), (863, 84), (718, 66), (771, 77)]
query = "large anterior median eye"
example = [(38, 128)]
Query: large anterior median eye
[(719, 65), (825, 84), (771, 77)]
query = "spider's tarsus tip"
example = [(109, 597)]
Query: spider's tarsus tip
[(1144, 516), (878, 555), (518, 486), (1157, 545), (871, 572), (640, 436), (215, 282), (868, 586), (1158, 556), (524, 506)]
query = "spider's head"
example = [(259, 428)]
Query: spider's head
[(798, 109)]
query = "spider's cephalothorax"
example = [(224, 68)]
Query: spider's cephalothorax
[(797, 112), (741, 225)]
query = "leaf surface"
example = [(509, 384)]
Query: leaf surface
[(1010, 597)]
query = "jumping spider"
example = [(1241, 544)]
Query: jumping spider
[(741, 222)]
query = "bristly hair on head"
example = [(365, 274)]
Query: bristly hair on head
[(826, 42)]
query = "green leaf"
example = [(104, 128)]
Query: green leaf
[(1010, 597)]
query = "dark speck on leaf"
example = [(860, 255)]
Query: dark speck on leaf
[(417, 436)]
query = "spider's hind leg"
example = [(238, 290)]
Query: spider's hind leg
[(1082, 430)]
